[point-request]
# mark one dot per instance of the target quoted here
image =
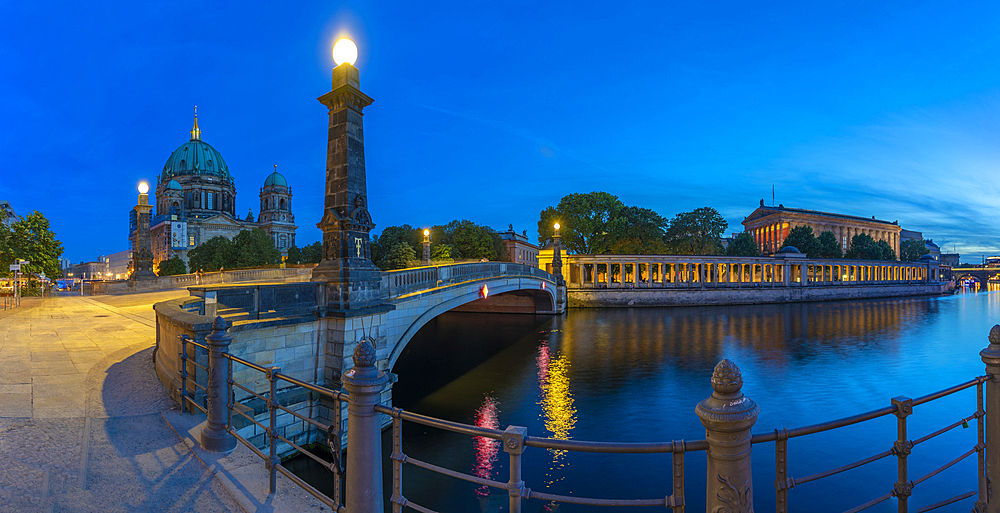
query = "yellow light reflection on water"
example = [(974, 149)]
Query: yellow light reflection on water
[(558, 412)]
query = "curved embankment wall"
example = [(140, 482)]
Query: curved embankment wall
[(640, 297), (291, 343)]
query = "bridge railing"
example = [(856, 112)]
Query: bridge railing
[(728, 416), (406, 281)]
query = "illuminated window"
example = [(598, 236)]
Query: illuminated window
[(190, 240)]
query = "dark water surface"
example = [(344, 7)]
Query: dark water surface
[(635, 375)]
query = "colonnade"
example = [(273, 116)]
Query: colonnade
[(771, 236), (628, 271)]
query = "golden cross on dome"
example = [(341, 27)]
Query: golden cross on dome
[(195, 132)]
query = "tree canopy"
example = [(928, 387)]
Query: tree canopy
[(171, 267), (584, 222), (864, 247), (312, 253), (250, 248), (803, 239), (698, 232), (31, 238), (457, 240), (912, 250), (827, 246), (743, 245)]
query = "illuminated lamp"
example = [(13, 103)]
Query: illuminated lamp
[(543, 285), (345, 51), (484, 291), (143, 188)]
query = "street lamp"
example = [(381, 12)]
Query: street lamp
[(427, 247), (557, 256)]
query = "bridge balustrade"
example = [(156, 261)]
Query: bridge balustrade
[(728, 416), (407, 281)]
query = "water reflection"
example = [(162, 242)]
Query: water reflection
[(486, 449), (558, 413)]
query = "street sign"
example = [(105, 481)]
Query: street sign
[(15, 267), (25, 262)]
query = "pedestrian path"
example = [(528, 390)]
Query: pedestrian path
[(85, 424)]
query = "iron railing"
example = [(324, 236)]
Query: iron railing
[(365, 383)]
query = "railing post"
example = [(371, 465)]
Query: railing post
[(728, 416), (272, 428), (991, 357), (902, 447), (364, 384), (214, 436), (513, 444)]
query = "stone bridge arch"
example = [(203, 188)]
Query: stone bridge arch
[(415, 311)]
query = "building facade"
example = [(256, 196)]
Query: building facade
[(769, 227), (196, 201), (7, 214), (519, 249)]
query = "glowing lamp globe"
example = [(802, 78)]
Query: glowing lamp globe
[(143, 188), (427, 232), (345, 51), (556, 226)]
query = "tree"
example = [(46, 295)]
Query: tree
[(294, 255), (827, 246), (171, 267), (802, 239), (442, 253), (381, 245), (31, 238), (470, 240), (698, 232), (399, 256), (637, 231), (584, 220), (312, 253), (211, 255), (864, 247), (911, 250), (743, 245), (254, 248)]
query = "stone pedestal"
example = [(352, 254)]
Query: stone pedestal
[(142, 252)]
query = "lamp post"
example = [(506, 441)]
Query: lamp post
[(557, 256), (142, 253), (427, 247)]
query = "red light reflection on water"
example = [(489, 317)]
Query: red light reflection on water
[(486, 449)]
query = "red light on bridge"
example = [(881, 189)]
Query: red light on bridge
[(543, 285), (484, 291)]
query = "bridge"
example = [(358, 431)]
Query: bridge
[(978, 273)]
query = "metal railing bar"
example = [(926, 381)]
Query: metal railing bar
[(946, 429), (249, 445), (946, 502), (329, 465), (251, 392), (308, 487), (244, 362), (825, 426), (948, 391), (318, 424), (597, 502), (946, 465), (251, 419), (448, 472), (195, 383), (870, 503), (191, 361), (615, 447), (413, 505), (196, 344), (447, 425), (196, 405), (333, 394), (844, 468)]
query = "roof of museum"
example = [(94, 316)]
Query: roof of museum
[(782, 208)]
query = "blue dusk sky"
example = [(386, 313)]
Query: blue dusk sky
[(492, 111)]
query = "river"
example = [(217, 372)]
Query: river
[(635, 375)]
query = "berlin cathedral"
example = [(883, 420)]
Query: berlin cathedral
[(196, 200)]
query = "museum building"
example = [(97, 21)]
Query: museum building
[(770, 225), (196, 201)]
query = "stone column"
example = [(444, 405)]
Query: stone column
[(557, 259), (142, 252), (427, 248), (364, 384), (215, 436), (991, 357), (728, 416)]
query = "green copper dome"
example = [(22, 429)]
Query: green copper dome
[(174, 184), (196, 157), (275, 178)]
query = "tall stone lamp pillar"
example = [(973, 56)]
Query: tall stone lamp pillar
[(427, 247), (728, 416), (557, 257), (142, 252), (352, 280)]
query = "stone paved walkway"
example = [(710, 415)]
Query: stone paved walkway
[(83, 419)]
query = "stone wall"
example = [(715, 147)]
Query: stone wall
[(601, 298)]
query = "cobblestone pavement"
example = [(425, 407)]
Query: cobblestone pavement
[(83, 419)]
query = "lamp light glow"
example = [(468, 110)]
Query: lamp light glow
[(143, 188), (345, 51), (484, 292), (556, 226), (427, 232)]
